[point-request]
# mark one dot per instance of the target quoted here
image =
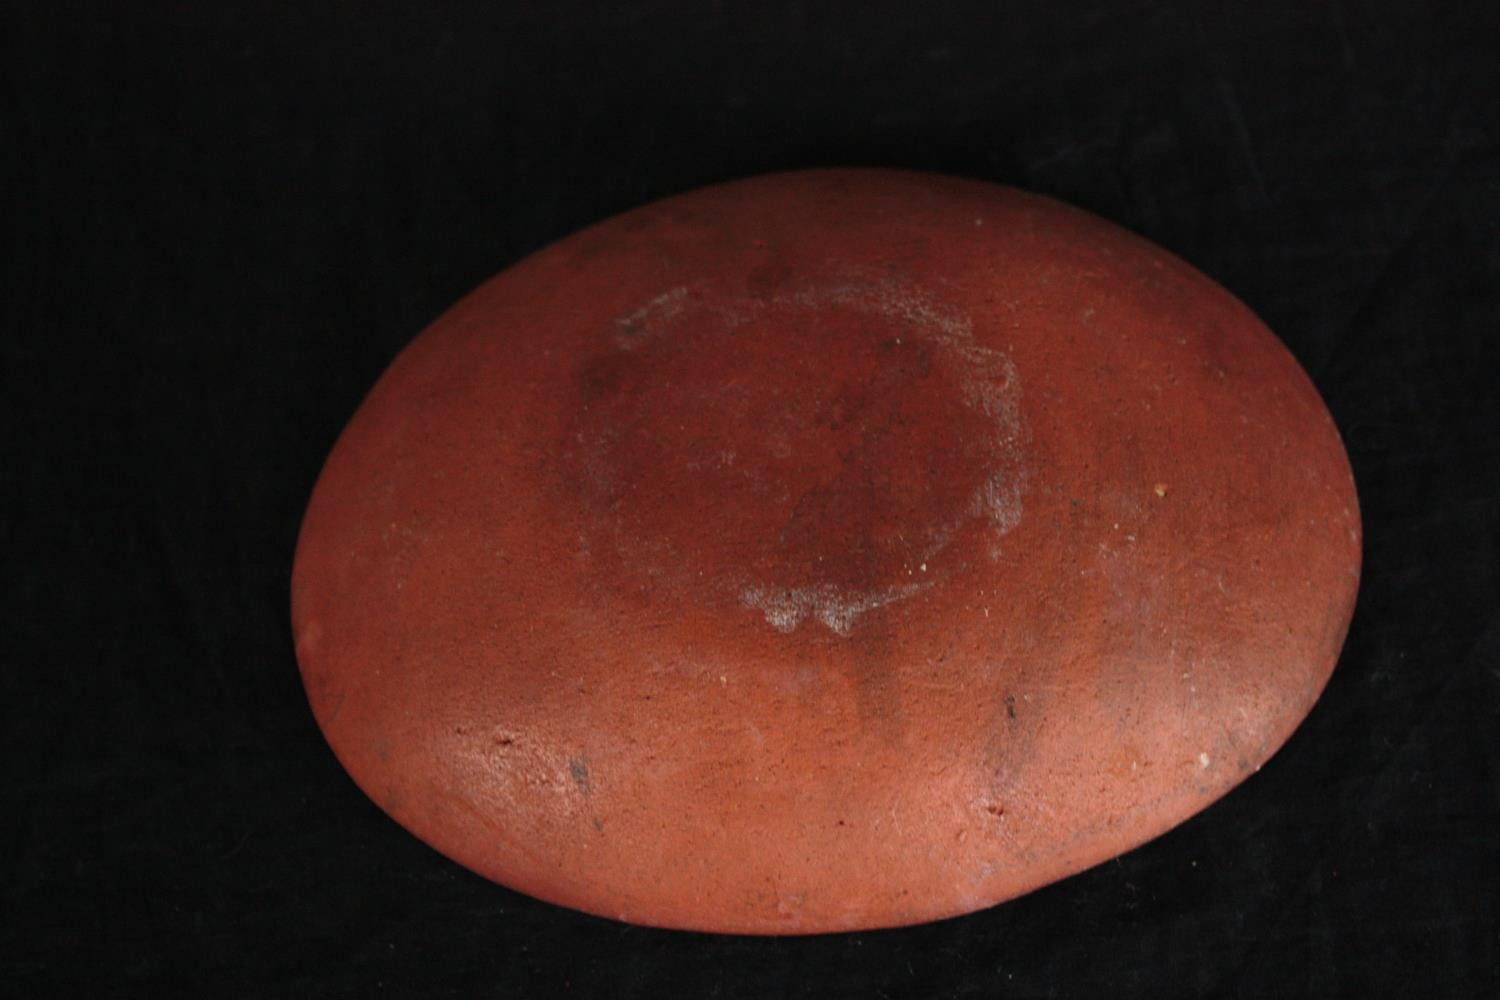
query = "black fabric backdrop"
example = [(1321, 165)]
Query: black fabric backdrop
[(222, 220)]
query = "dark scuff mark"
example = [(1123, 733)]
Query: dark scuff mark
[(580, 772), (1010, 706)]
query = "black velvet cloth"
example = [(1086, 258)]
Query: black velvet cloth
[(222, 220)]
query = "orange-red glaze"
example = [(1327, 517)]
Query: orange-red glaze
[(822, 551)]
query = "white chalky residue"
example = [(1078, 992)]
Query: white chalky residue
[(988, 381), (999, 499), (889, 299), (787, 607), (645, 319)]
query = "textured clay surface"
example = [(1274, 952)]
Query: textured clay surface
[(824, 551)]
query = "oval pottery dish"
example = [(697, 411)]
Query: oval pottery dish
[(822, 551)]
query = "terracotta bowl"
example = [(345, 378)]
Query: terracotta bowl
[(822, 551)]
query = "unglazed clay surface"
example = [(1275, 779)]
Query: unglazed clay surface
[(822, 551)]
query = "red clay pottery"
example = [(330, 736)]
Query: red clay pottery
[(821, 551)]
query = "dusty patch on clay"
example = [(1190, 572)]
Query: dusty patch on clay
[(988, 378), (650, 316), (786, 608), (832, 438)]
